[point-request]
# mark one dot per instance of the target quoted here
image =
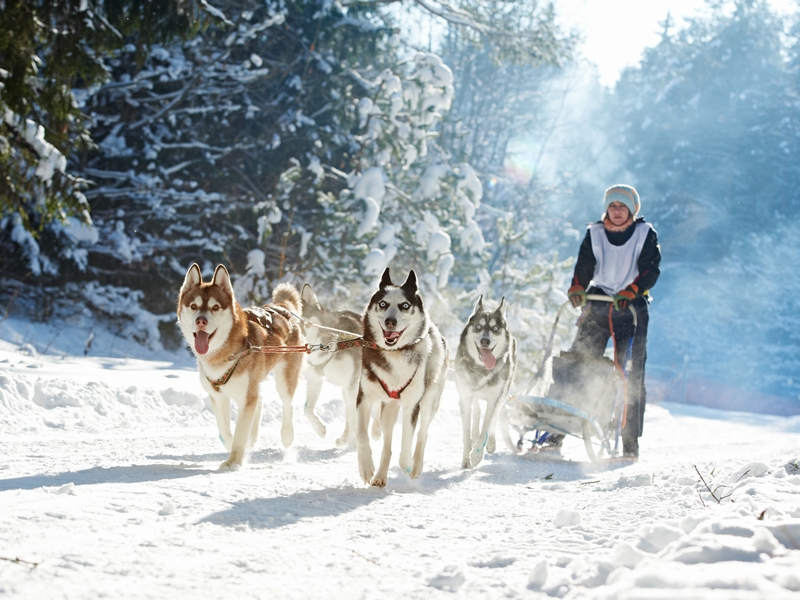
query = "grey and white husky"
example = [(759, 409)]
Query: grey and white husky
[(342, 369), (485, 363), (404, 364)]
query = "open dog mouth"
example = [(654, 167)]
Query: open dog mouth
[(488, 358), (390, 337), (201, 339)]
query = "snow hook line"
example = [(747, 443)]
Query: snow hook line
[(337, 332), (305, 348), (355, 341)]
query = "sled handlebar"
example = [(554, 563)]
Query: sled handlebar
[(599, 297), (604, 298)]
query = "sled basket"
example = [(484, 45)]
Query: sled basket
[(584, 400), (586, 383)]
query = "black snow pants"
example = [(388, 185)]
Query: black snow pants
[(594, 332)]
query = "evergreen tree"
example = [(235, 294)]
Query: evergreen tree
[(47, 49), (251, 144), (501, 96)]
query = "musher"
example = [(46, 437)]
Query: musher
[(619, 257)]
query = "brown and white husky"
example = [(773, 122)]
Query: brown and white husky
[(220, 333)]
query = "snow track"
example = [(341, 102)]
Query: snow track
[(113, 491)]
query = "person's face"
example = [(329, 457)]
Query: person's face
[(618, 213)]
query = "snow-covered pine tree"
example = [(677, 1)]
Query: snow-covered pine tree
[(235, 147), (502, 94), (409, 201), (47, 50)]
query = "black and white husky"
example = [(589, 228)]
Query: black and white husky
[(342, 369), (485, 363), (404, 364)]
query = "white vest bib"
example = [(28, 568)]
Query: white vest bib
[(617, 266)]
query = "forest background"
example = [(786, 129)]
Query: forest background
[(319, 141)]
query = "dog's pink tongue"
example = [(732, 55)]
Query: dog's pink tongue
[(201, 342), (489, 361), (391, 335)]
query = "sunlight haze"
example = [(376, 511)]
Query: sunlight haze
[(616, 32)]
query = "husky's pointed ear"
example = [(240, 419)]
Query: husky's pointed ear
[(223, 279), (193, 277), (386, 279), (502, 308), (479, 305), (308, 297), (411, 282)]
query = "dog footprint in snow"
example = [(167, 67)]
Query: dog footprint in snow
[(450, 579)]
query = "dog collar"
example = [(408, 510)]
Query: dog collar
[(395, 394), (414, 343)]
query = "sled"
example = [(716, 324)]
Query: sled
[(586, 399)]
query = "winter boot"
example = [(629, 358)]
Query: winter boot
[(630, 447), (552, 441)]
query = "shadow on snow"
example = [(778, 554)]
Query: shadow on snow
[(99, 475), (509, 469), (262, 455)]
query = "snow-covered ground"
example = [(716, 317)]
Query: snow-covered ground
[(109, 488)]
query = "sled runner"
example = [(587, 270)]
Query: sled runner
[(586, 399)]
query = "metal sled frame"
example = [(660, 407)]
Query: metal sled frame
[(535, 413), (577, 422)]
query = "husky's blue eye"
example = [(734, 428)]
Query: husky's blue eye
[(478, 327), (405, 306), (495, 329), (382, 304)]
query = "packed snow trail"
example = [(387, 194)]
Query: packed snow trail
[(112, 490)]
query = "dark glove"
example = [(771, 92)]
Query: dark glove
[(622, 297), (577, 296)]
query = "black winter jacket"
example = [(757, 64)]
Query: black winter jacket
[(649, 259)]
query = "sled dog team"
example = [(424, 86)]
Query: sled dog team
[(400, 360)]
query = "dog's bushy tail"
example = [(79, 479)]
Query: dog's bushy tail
[(286, 295)]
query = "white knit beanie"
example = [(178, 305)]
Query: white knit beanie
[(625, 194)]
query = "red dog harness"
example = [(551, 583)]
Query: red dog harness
[(395, 394)]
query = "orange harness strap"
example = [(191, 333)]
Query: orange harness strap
[(619, 368)]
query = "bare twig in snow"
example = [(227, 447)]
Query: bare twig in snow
[(705, 484), (46, 348), (365, 558), (9, 305), (20, 561)]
